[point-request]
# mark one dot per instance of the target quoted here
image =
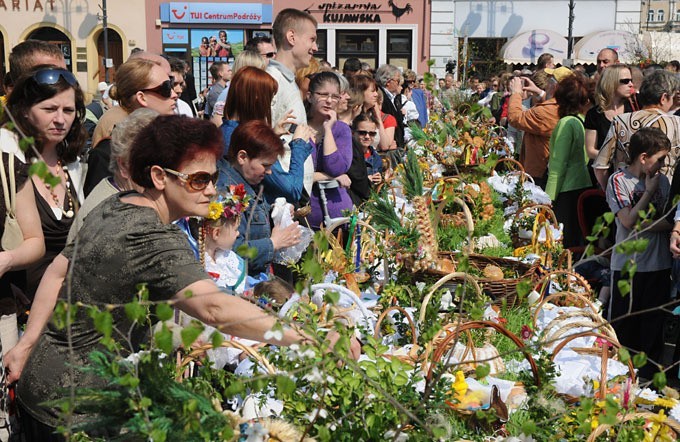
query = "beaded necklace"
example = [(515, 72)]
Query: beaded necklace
[(69, 212)]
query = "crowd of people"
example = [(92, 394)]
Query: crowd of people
[(125, 175)]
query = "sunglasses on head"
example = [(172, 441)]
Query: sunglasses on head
[(52, 76), (626, 80), (164, 89), (197, 180), (370, 133)]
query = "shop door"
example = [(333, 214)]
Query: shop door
[(115, 53), (55, 36)]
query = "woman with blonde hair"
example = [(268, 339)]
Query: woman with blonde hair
[(612, 98), (139, 83)]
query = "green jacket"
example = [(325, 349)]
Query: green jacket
[(568, 163)]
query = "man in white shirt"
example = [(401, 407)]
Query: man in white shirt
[(295, 37)]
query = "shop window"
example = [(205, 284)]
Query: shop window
[(399, 48), (321, 40), (659, 15), (360, 44)]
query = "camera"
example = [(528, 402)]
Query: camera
[(450, 66)]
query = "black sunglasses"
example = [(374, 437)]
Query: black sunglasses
[(370, 133), (198, 180), (270, 54), (164, 89), (52, 76), (626, 80)]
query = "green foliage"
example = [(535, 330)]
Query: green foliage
[(412, 177)]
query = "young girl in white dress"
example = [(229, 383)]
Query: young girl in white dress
[(217, 235)]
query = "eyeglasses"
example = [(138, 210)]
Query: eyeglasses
[(326, 96), (626, 80), (269, 54), (52, 76), (367, 133), (197, 180), (164, 89)]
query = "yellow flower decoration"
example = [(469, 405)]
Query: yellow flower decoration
[(215, 210)]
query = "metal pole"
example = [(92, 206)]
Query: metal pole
[(570, 35), (106, 41)]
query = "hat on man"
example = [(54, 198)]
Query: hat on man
[(559, 73), (101, 87)]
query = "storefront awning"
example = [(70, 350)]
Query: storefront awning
[(526, 47), (623, 42), (664, 45)]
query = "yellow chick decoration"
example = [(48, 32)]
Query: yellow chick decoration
[(460, 386)]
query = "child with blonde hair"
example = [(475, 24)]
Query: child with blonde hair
[(216, 237)]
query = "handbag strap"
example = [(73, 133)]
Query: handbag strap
[(9, 199)]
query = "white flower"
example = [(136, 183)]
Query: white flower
[(389, 435), (313, 376), (420, 286), (320, 412), (649, 395), (256, 433), (675, 412), (275, 334)]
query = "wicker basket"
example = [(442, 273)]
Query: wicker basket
[(515, 168), (568, 280), (543, 215), (452, 336), (457, 277), (604, 352), (199, 352), (412, 356), (499, 290)]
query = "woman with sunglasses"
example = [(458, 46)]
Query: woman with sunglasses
[(128, 240), (386, 123), (139, 83), (254, 149), (366, 169), (612, 98), (47, 104), (331, 148)]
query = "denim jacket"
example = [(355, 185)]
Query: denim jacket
[(260, 228), (289, 184)]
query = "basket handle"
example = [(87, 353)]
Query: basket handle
[(547, 210), (475, 325), (383, 315), (426, 300), (197, 352), (542, 283), (523, 176), (344, 290), (604, 356), (565, 294)]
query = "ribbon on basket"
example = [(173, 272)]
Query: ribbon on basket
[(542, 223)]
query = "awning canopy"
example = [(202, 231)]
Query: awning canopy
[(526, 47), (623, 42)]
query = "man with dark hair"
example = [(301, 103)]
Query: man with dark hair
[(295, 37), (263, 46), (352, 66), (31, 53), (221, 74), (656, 97), (545, 61), (606, 57), (177, 68)]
